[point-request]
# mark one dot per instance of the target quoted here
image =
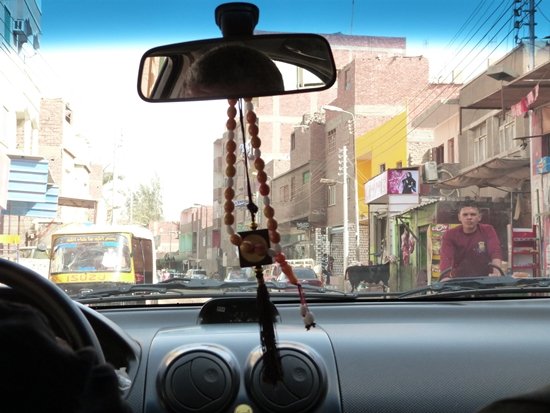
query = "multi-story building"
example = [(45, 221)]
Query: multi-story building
[(284, 129), (490, 144), (45, 183), (19, 123)]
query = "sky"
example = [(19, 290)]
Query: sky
[(92, 50)]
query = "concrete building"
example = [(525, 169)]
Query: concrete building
[(491, 144), (42, 170)]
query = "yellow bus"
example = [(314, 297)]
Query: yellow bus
[(85, 257)]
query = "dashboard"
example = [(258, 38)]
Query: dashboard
[(452, 356)]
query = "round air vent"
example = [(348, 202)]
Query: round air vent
[(198, 381), (302, 387)]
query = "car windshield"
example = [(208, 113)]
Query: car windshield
[(426, 161)]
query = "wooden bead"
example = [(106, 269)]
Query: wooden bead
[(264, 189), (231, 158), (231, 112), (272, 224), (251, 117), (230, 171), (231, 146), (228, 206), (269, 212), (232, 102), (253, 129), (259, 164), (228, 219), (255, 142), (229, 193), (261, 177), (231, 124), (274, 237), (235, 239)]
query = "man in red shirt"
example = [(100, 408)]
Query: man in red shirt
[(470, 247)]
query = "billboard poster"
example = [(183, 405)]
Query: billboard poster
[(402, 181)]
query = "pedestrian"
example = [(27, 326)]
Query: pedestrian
[(468, 249), (327, 263)]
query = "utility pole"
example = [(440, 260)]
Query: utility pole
[(532, 34), (344, 165)]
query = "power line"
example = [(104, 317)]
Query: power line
[(385, 138)]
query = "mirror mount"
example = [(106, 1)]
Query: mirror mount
[(237, 19)]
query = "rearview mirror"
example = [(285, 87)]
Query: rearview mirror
[(251, 66)]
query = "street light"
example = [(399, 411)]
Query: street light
[(355, 191)]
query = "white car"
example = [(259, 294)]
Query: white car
[(196, 273)]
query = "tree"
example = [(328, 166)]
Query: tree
[(145, 204)]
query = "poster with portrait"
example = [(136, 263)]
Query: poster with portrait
[(403, 181)]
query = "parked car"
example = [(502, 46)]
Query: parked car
[(305, 275), (120, 111), (196, 273), (237, 275)]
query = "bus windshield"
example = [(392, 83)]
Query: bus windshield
[(90, 253)]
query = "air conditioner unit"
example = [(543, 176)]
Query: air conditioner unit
[(18, 26), (429, 171)]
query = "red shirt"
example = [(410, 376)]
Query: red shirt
[(469, 254)]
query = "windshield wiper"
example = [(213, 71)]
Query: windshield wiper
[(479, 286), (163, 287), (180, 287), (174, 284)]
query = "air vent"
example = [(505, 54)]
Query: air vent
[(302, 388), (199, 381)]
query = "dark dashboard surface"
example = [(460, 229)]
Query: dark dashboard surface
[(362, 357)]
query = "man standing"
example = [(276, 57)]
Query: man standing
[(326, 267), (469, 248)]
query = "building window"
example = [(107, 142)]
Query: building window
[(306, 177), (292, 141), (439, 154), (382, 167), (506, 132), (331, 141), (451, 150), (292, 187), (545, 143), (331, 195), (480, 143)]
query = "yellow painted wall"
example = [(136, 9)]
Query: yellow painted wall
[(386, 144)]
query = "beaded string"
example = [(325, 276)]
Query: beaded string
[(275, 251)]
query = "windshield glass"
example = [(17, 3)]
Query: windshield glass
[(94, 252), (426, 161)]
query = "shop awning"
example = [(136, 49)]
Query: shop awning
[(497, 172)]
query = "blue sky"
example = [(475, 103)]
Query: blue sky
[(147, 20)]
